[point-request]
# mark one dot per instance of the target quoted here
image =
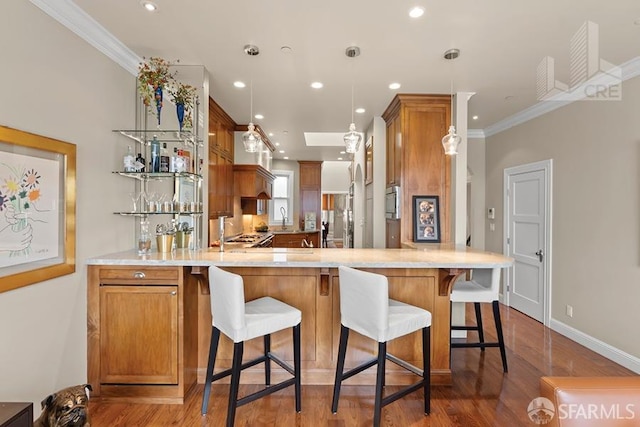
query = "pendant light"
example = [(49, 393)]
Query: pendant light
[(352, 138), (251, 139), (451, 140)]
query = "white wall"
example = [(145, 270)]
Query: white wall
[(595, 147), (476, 169), (335, 176), (55, 84), (375, 192)]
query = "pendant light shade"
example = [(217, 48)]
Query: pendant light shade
[(251, 139), (451, 141), (352, 139)]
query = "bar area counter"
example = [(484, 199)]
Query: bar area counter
[(149, 320)]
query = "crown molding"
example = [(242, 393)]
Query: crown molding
[(630, 69), (475, 133), (78, 21)]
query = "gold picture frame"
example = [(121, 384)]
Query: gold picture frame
[(37, 208)]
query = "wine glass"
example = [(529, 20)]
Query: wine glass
[(134, 198)]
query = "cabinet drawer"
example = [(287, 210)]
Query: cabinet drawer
[(140, 274)]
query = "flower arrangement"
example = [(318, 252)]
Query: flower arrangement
[(183, 94), (153, 76)]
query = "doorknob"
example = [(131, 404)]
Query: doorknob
[(540, 254)]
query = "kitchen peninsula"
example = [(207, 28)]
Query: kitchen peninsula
[(149, 322)]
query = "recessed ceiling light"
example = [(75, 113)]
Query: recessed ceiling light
[(416, 12), (509, 97), (286, 49), (277, 144), (343, 152), (360, 110), (339, 158), (285, 132), (270, 133), (259, 116), (150, 6), (475, 117), (286, 158), (281, 151), (394, 86), (317, 85), (239, 84)]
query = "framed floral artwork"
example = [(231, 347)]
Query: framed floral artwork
[(426, 219), (37, 208)]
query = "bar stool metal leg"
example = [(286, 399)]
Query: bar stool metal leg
[(296, 367), (426, 368), (213, 350), (342, 350), (382, 357), (496, 317), (235, 382), (476, 306), (267, 362)]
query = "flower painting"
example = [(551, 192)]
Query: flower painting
[(28, 209)]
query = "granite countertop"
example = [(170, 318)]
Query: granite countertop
[(433, 256), (276, 231)]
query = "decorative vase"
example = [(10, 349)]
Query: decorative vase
[(180, 112), (158, 96)]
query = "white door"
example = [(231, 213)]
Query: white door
[(527, 238)]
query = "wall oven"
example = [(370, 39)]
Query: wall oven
[(392, 202)]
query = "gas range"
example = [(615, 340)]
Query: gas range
[(247, 238)]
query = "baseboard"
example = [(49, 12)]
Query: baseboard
[(602, 348)]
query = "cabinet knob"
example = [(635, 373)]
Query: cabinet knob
[(174, 293), (139, 275)]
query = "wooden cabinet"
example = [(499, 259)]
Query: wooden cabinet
[(142, 333), (134, 319), (310, 191), (393, 234), (294, 240), (253, 181), (254, 206), (221, 143), (16, 414), (415, 158)]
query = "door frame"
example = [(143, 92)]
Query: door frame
[(547, 167)]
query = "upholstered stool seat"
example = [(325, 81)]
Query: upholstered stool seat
[(242, 321), (484, 287), (365, 307)]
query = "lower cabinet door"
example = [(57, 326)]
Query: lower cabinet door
[(139, 334)]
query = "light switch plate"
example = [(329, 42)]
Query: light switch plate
[(491, 213)]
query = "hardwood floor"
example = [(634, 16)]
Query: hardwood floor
[(481, 395)]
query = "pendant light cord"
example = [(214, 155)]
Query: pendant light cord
[(351, 101), (251, 101)]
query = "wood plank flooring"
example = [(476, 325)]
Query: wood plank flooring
[(481, 395)]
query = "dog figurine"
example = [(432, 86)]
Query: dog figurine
[(66, 408)]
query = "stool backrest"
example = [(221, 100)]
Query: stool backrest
[(364, 302), (488, 278), (227, 300)]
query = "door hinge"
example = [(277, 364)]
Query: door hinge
[(508, 240), (508, 288)]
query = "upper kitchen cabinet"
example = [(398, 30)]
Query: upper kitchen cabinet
[(262, 156), (253, 181), (415, 159), (310, 193), (221, 152)]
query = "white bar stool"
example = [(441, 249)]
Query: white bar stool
[(484, 287), (366, 308), (241, 322)]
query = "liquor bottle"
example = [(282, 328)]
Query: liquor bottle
[(164, 158), (129, 161), (155, 155), (139, 163)]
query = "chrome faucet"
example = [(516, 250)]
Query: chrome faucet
[(283, 211), (221, 220)]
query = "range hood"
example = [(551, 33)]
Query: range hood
[(252, 182)]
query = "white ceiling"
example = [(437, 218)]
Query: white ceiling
[(501, 43)]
